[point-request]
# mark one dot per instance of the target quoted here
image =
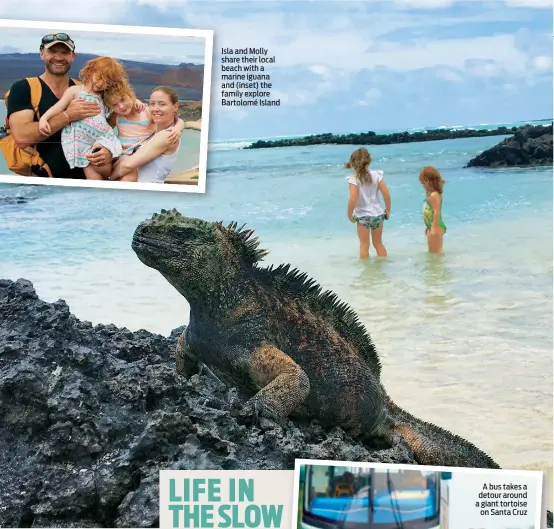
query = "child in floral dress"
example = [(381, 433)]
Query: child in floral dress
[(99, 77)]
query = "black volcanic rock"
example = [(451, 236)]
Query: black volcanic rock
[(12, 200), (89, 415), (371, 138), (529, 146)]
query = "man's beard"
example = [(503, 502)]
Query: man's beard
[(57, 72)]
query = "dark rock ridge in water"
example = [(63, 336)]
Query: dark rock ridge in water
[(13, 200), (371, 138), (20, 193), (530, 146), (89, 415)]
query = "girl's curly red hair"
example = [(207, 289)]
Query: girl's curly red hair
[(431, 179), (106, 70)]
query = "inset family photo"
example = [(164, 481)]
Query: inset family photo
[(104, 106)]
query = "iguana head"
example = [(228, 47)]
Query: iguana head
[(196, 256)]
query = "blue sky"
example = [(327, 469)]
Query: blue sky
[(360, 65), (159, 49)]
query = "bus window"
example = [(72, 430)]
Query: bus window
[(406, 496), (333, 497), (363, 498)]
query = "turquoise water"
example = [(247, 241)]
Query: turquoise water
[(466, 340), (187, 157)]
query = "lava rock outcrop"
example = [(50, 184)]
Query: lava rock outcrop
[(90, 414)]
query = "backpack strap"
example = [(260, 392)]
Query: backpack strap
[(36, 93), (6, 120)]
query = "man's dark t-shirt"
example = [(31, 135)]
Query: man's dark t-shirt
[(50, 149)]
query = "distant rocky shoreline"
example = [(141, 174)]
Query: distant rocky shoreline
[(372, 138)]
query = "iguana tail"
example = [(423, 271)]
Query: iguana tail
[(432, 445)]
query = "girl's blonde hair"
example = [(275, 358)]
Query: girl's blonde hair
[(107, 70), (359, 162), (119, 92), (431, 179)]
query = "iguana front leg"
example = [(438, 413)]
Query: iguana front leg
[(186, 365), (283, 385)]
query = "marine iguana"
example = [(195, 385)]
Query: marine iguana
[(292, 349)]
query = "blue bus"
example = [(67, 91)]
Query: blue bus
[(349, 497)]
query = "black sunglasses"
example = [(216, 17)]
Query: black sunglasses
[(63, 37)]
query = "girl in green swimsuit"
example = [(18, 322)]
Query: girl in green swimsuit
[(435, 228)]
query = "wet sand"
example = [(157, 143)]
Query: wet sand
[(189, 177), (195, 125)]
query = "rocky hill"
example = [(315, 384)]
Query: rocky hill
[(190, 111), (186, 78), (528, 147)]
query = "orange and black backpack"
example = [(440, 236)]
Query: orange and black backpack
[(23, 161)]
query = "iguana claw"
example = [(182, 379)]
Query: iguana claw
[(244, 414), (268, 424), (251, 414), (398, 440)]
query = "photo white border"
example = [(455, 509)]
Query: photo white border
[(539, 474), (207, 34)]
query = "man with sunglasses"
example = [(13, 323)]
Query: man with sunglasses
[(57, 50)]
